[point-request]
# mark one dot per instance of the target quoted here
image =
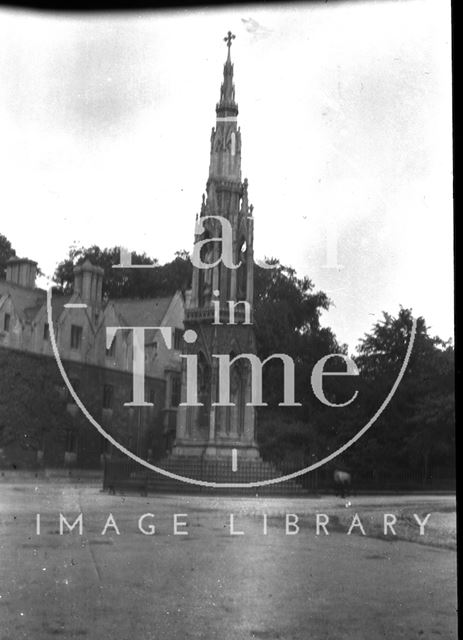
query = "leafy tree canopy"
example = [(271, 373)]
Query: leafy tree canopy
[(122, 283), (417, 428), (6, 252)]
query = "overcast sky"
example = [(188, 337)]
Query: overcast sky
[(345, 114)]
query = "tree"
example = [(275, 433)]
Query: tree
[(431, 436), (122, 283), (6, 252), (287, 313), (416, 429)]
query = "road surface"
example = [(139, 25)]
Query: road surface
[(220, 584)]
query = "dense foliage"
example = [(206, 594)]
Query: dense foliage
[(6, 252), (416, 431), (127, 283), (32, 405)]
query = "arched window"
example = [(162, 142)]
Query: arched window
[(205, 275), (238, 392), (204, 390)]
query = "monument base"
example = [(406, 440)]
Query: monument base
[(215, 450), (212, 465)]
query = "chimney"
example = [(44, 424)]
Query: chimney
[(21, 271), (88, 283)]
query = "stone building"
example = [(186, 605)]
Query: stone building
[(101, 376)]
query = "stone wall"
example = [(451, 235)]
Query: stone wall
[(40, 424)]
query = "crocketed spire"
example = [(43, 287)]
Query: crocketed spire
[(227, 105)]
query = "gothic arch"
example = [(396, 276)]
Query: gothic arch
[(238, 379), (204, 390), (205, 275)]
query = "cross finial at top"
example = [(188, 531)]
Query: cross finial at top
[(228, 39)]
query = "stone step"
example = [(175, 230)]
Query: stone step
[(220, 471)]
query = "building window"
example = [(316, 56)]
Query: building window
[(108, 394), (76, 336), (46, 331), (112, 349), (150, 395), (175, 391), (6, 322), (75, 384), (204, 390), (153, 345), (178, 334)]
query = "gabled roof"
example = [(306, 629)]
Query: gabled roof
[(134, 312), (142, 312), (57, 305), (27, 302)]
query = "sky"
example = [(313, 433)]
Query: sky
[(345, 115)]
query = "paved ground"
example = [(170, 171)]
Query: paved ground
[(213, 585)]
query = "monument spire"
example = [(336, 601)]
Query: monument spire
[(225, 160), (227, 107), (219, 311)]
